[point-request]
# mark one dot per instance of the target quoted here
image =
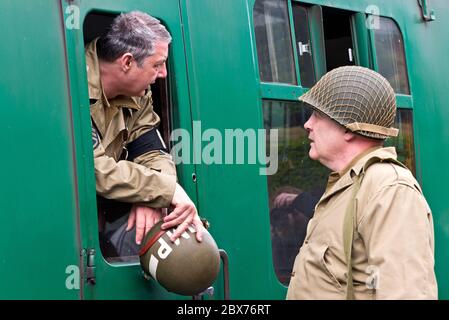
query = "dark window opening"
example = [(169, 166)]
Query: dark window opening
[(112, 215), (337, 38), (96, 24)]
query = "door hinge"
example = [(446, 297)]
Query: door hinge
[(89, 270)]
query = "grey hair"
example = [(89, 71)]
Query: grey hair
[(134, 32)]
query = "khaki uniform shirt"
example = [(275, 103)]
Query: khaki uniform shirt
[(393, 246), (151, 178)]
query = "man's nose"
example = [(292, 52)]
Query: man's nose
[(308, 123), (162, 73)]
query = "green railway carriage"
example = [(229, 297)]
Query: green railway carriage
[(233, 65)]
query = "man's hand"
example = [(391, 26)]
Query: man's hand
[(144, 218), (284, 200), (183, 215)]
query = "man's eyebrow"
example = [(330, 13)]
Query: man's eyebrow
[(161, 60)]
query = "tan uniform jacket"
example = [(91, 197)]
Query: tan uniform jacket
[(151, 178), (393, 248)]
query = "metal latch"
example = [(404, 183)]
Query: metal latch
[(90, 267), (208, 292), (303, 48), (426, 13)]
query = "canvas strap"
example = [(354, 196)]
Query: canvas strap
[(350, 221), (359, 126)]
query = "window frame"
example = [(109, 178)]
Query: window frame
[(364, 53), (403, 101)]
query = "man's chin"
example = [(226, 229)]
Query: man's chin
[(139, 94), (312, 155)]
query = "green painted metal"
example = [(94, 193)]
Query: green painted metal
[(294, 42), (233, 196), (316, 37), (287, 92), (38, 197), (427, 68), (49, 198), (360, 33), (404, 101), (124, 281)]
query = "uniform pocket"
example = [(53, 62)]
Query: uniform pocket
[(325, 261)]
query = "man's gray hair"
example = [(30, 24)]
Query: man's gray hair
[(134, 32)]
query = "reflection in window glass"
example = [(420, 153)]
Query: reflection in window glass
[(300, 182), (390, 55), (404, 141), (304, 47), (295, 188), (273, 39)]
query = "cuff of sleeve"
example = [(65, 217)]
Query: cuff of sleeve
[(167, 192)]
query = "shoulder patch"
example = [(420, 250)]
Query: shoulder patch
[(95, 137)]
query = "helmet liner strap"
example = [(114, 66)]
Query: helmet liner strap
[(151, 242)]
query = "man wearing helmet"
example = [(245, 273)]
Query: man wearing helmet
[(371, 236), (132, 166)]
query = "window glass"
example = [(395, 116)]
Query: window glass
[(300, 182), (390, 55), (273, 39), (295, 188), (404, 141), (304, 47)]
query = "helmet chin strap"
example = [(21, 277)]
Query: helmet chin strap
[(150, 242), (358, 126)]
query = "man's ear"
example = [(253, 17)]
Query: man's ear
[(349, 135), (126, 61)]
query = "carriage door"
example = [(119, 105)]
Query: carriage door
[(106, 275)]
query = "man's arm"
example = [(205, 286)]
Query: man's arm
[(131, 182), (396, 227), (146, 146)]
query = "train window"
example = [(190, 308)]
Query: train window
[(300, 182), (274, 44), (337, 38), (390, 55), (115, 243), (304, 46), (295, 188), (404, 141)]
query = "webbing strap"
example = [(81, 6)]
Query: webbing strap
[(360, 126), (350, 221), (349, 224)]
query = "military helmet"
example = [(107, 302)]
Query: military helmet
[(358, 98), (186, 266)]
